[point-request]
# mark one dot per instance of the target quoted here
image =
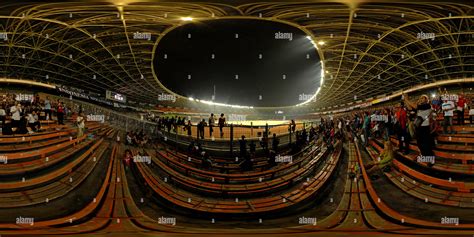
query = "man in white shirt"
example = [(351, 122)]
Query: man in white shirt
[(15, 112), (80, 125), (3, 114), (448, 109)]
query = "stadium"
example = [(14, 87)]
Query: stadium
[(236, 118)]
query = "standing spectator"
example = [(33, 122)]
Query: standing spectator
[(448, 109), (471, 109), (366, 128), (401, 129), (189, 127), (424, 137), (243, 147), (3, 114), (293, 126), (460, 108), (201, 126), (47, 109), (127, 159), (15, 111), (211, 124), (60, 113), (80, 125), (275, 143), (221, 124)]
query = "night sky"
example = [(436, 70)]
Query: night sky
[(277, 79)]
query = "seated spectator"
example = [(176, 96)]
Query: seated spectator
[(33, 122), (271, 159), (23, 125), (384, 160), (247, 164), (206, 160), (128, 139)]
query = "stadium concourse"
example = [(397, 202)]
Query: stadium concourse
[(236, 118)]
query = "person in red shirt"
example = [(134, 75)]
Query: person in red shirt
[(127, 159), (460, 108), (60, 113), (401, 128)]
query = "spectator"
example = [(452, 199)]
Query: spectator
[(366, 129), (33, 122), (189, 127), (448, 110), (401, 129), (460, 108), (47, 109), (201, 126), (206, 161), (3, 115), (252, 147), (127, 159), (15, 111), (221, 124), (293, 126), (384, 160), (211, 124), (129, 139), (23, 125), (424, 137), (80, 125), (60, 113), (243, 146), (275, 143)]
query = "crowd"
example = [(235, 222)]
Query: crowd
[(174, 123), (137, 138), (410, 119), (20, 114)]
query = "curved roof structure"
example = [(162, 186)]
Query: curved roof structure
[(368, 49)]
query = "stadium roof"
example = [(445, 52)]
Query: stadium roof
[(370, 47)]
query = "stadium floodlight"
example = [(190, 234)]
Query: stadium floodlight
[(191, 98), (321, 42), (187, 18), (312, 41)]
